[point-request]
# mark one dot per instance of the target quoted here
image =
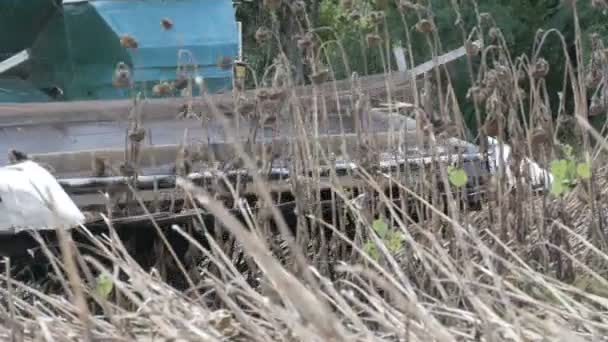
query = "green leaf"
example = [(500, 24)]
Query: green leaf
[(457, 176), (583, 170), (557, 188), (395, 242), (104, 285), (380, 227), (559, 169), (371, 250)]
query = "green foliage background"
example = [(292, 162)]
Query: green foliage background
[(518, 20)]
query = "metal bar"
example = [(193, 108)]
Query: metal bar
[(400, 58), (277, 177), (14, 61), (239, 27), (440, 60)]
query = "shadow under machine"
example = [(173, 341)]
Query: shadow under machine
[(66, 50)]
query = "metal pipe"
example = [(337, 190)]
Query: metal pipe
[(239, 27)]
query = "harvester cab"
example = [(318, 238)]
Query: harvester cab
[(66, 50)]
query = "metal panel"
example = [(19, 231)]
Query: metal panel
[(205, 28), (77, 49)]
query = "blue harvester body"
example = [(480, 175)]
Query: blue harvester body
[(54, 50)]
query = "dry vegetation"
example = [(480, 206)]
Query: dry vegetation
[(526, 267)]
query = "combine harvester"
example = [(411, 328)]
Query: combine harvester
[(110, 95), (77, 50)]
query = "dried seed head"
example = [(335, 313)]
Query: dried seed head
[(15, 156), (183, 161), (224, 63), (122, 76), (137, 135), (502, 71), (521, 75), (269, 120), (494, 104), (540, 69), (166, 23), (272, 5), (263, 95), (595, 39), (262, 35), (377, 17), (320, 76), (128, 42), (223, 322), (354, 15), (245, 107), (472, 48), (425, 26), (347, 5), (127, 170), (491, 126), (277, 94), (520, 93), (381, 4), (406, 6), (540, 138), (98, 166), (598, 106), (599, 4), (181, 81), (494, 33), (490, 79), (593, 78), (485, 17), (298, 7), (373, 39), (163, 88), (597, 57), (305, 42), (477, 94)]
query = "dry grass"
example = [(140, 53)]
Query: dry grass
[(526, 267)]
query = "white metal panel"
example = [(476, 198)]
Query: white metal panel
[(14, 61)]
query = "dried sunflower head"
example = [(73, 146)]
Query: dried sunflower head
[(494, 33), (472, 48), (122, 75), (406, 6), (166, 23), (263, 35), (347, 5), (127, 41), (425, 26), (373, 39), (163, 88), (598, 106), (320, 76), (540, 68), (305, 41), (272, 5), (298, 7), (381, 4), (377, 17)]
